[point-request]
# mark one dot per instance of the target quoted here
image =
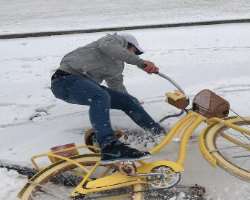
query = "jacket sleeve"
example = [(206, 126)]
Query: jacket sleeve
[(116, 83), (113, 48)]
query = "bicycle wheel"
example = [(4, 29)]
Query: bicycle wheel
[(231, 148), (57, 181)]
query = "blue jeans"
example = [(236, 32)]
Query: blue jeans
[(84, 91)]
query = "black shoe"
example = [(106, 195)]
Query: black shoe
[(118, 152)]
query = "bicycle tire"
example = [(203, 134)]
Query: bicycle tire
[(45, 176), (212, 138)]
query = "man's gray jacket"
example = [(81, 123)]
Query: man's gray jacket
[(102, 60)]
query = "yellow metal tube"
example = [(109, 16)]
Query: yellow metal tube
[(168, 138), (112, 187), (185, 138), (35, 165), (138, 188), (70, 161), (231, 125), (80, 185), (236, 142), (203, 148), (58, 151)]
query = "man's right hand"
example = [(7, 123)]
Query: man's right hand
[(150, 67)]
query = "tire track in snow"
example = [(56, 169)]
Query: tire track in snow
[(189, 50)]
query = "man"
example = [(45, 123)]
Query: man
[(78, 80)]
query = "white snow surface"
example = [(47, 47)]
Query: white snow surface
[(11, 182), (28, 16), (214, 57)]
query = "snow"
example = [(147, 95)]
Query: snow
[(29, 16), (11, 182), (32, 120)]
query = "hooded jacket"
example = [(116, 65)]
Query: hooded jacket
[(102, 60)]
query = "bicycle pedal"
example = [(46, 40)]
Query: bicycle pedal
[(126, 167)]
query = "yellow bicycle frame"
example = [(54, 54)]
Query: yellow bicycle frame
[(185, 126)]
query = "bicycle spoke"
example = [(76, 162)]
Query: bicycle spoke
[(234, 146), (241, 136), (242, 156)]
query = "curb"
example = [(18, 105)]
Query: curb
[(121, 28)]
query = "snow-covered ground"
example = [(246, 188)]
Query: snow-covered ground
[(215, 57), (28, 16)]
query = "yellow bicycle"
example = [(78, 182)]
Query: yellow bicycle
[(224, 142)]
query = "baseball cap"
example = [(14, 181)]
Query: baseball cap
[(132, 40)]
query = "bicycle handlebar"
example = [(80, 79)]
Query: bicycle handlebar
[(171, 81)]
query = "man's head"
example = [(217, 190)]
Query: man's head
[(133, 45)]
